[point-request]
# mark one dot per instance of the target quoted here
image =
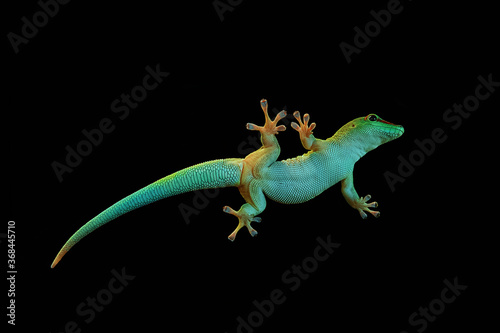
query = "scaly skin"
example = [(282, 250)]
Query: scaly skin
[(259, 174)]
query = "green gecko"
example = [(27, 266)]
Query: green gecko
[(259, 174)]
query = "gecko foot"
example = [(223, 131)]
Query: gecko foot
[(244, 219), (270, 125), (363, 206), (303, 128)]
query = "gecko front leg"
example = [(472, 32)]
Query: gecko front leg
[(305, 130), (355, 201)]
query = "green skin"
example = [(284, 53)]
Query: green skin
[(259, 174)]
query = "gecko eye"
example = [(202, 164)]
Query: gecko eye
[(372, 118)]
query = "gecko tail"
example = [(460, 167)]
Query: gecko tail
[(207, 175)]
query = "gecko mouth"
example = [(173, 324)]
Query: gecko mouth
[(393, 131), (397, 130)]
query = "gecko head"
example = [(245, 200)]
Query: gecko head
[(370, 131)]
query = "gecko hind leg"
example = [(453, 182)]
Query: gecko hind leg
[(255, 204), (253, 166)]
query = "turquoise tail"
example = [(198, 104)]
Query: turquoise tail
[(211, 174)]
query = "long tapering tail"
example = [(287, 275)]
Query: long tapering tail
[(211, 174)]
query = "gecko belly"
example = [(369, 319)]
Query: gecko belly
[(291, 193), (296, 180)]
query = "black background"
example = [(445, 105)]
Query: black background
[(436, 225)]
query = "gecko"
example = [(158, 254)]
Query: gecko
[(260, 174)]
